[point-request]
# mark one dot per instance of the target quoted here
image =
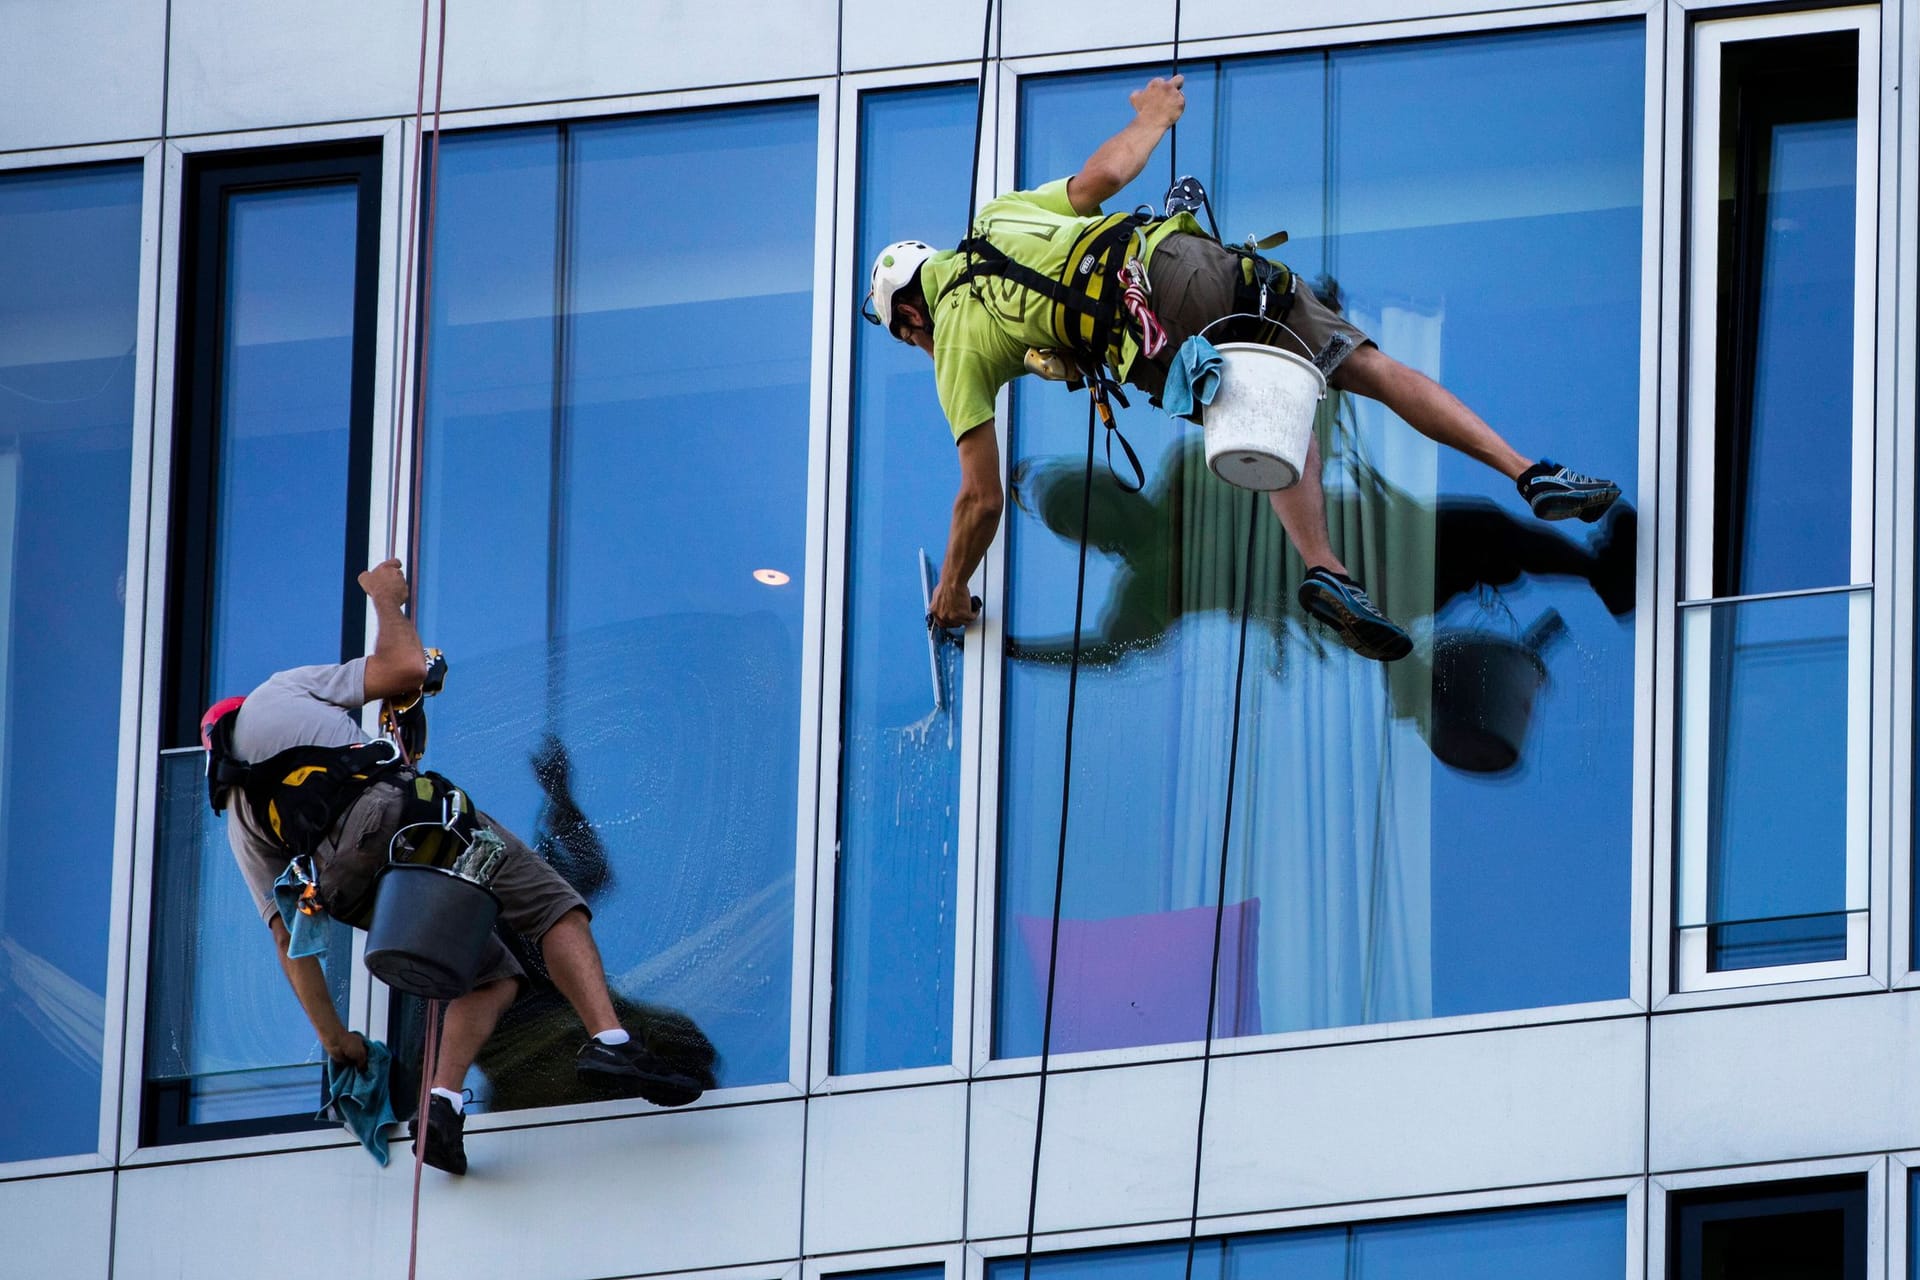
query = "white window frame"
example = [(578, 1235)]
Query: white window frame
[(1864, 827)]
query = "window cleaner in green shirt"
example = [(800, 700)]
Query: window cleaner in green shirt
[(979, 331)]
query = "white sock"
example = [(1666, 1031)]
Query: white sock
[(616, 1036), (458, 1100)]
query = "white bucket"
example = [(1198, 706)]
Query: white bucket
[(1261, 419)]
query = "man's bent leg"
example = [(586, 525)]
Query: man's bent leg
[(1302, 510), (1427, 407), (573, 960), (470, 1020)]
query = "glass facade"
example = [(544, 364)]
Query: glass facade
[(1386, 860), (1585, 1241), (901, 692), (614, 548), (69, 303)]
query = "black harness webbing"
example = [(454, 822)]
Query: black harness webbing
[(1087, 304)]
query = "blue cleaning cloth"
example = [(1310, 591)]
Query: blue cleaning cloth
[(361, 1098), (1193, 380), (306, 935)]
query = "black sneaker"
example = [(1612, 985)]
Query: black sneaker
[(1340, 602), (445, 1150), (631, 1069), (1555, 493)]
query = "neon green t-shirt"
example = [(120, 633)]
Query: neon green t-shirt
[(981, 336)]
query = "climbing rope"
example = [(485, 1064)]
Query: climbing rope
[(418, 227)]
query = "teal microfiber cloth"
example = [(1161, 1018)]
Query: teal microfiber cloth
[(306, 935), (1193, 379), (361, 1098)]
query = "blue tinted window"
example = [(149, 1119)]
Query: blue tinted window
[(271, 419), (1574, 1241), (933, 1271), (1384, 862), (616, 446), (69, 295), (286, 361), (1777, 736), (900, 722)]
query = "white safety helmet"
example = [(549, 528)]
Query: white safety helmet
[(893, 270)]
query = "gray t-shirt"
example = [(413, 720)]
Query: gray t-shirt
[(303, 707)]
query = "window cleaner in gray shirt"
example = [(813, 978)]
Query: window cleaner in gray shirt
[(317, 706)]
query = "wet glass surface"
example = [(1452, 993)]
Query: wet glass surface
[(617, 441), (900, 726), (1449, 834)]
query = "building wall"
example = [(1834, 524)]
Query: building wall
[(1662, 1086)]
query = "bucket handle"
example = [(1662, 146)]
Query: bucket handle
[(1248, 315)]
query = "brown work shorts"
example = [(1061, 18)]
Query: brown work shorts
[(532, 894), (1194, 282)]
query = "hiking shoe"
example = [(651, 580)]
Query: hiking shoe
[(1555, 493), (1339, 601), (445, 1150), (632, 1069)]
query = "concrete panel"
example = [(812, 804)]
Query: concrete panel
[(80, 73), (57, 1228), (1036, 26), (877, 34), (662, 1191), (1783, 1081), (886, 1169), (516, 51), (238, 64), (1354, 1122), (1118, 1148)]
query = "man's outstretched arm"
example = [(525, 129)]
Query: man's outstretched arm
[(976, 515), (1119, 159), (309, 983), (398, 665)]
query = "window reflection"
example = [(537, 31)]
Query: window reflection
[(69, 295), (900, 727), (1387, 859), (1574, 1241), (616, 439)]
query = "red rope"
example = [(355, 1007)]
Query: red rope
[(426, 296), (430, 1062), (430, 1051)]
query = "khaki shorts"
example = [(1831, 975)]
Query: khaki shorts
[(532, 894), (1194, 281)]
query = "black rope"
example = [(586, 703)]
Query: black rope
[(1060, 858), (1220, 900), (979, 121)]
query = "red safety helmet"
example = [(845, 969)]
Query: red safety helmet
[(215, 714)]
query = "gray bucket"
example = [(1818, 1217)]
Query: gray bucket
[(1484, 686), (429, 931)]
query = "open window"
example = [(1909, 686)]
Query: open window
[(1812, 1230), (1778, 578), (272, 456)]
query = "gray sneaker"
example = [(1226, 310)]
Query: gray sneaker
[(1342, 604), (1557, 493)]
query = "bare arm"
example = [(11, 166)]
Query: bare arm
[(976, 516), (309, 983), (1119, 159), (398, 665)]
